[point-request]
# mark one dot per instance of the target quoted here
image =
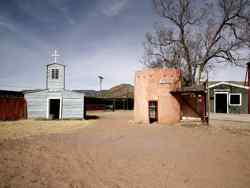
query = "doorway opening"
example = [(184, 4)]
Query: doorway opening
[(153, 111), (54, 108), (221, 102)]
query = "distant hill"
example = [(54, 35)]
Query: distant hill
[(119, 91)]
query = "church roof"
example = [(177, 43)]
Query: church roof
[(55, 64), (32, 90)]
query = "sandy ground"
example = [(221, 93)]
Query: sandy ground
[(27, 128), (114, 152)]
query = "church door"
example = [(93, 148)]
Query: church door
[(54, 108)]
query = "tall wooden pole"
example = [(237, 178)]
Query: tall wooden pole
[(208, 100), (248, 84)]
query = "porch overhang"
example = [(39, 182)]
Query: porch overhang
[(198, 95)]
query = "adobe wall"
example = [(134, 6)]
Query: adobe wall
[(156, 84)]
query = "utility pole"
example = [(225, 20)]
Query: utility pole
[(100, 81), (208, 99)]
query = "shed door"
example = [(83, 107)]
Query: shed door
[(221, 103), (153, 111)]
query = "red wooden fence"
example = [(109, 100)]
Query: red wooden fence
[(13, 108)]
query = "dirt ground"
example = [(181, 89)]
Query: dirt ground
[(27, 128), (114, 152)]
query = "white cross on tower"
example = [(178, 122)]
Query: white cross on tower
[(55, 55)]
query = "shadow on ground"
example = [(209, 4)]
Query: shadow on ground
[(89, 117)]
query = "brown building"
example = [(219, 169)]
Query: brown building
[(159, 97), (153, 98), (12, 105)]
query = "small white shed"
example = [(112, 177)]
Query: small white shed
[(55, 102)]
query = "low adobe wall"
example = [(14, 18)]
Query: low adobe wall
[(156, 84)]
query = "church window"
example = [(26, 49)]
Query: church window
[(55, 73)]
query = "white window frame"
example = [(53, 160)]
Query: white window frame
[(60, 112), (239, 94), (220, 92)]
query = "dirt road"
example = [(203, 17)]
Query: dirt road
[(116, 153)]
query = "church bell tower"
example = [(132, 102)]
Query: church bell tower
[(55, 74)]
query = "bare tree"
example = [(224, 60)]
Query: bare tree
[(198, 35)]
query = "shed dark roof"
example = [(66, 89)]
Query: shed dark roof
[(88, 93), (8, 93), (191, 89)]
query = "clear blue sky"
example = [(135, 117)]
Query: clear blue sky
[(93, 37)]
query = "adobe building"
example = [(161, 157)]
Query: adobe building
[(160, 97), (154, 101)]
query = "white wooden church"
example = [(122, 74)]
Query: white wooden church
[(55, 102)]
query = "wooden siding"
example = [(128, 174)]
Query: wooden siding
[(36, 104), (72, 108), (72, 103), (54, 84)]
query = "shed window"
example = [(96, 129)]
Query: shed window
[(235, 99), (55, 73)]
